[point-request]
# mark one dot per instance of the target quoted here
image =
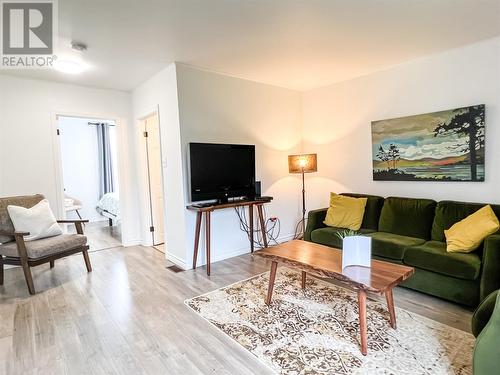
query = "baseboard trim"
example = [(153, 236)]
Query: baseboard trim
[(241, 251), (286, 238), (127, 243), (176, 260)]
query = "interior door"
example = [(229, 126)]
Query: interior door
[(154, 160)]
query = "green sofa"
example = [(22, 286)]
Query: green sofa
[(411, 231)]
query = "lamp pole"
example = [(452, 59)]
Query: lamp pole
[(304, 163), (303, 202)]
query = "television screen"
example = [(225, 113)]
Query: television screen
[(221, 171)]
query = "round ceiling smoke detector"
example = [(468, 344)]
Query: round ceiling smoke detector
[(77, 46)]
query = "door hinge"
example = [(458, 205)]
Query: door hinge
[(151, 229), (58, 132), (145, 134)]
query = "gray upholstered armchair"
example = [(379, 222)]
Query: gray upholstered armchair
[(15, 251)]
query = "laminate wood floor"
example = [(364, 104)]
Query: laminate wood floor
[(128, 317), (100, 235)]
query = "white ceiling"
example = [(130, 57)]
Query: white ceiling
[(289, 43)]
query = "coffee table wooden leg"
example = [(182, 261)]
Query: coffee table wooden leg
[(303, 279), (362, 319), (272, 277), (390, 306)]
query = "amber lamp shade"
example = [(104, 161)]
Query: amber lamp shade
[(305, 163)]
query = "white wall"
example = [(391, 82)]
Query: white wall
[(221, 109), (336, 121), (80, 163), (159, 93), (28, 144), (200, 106)]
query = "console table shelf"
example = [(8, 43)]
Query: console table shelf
[(203, 211)]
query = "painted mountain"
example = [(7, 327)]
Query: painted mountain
[(439, 146)]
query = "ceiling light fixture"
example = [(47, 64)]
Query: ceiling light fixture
[(71, 63), (68, 66)]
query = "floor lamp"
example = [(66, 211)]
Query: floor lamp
[(304, 163)]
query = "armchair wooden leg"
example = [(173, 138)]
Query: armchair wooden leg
[(52, 263), (1, 270), (27, 275), (87, 260), (23, 256)]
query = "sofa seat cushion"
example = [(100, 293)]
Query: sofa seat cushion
[(432, 256), (45, 246), (392, 246), (328, 236)]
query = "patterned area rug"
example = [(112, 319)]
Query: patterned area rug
[(315, 331)]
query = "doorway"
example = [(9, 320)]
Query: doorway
[(88, 149), (152, 144)]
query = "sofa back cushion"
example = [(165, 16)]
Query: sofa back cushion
[(407, 217), (26, 201), (451, 212), (372, 209)]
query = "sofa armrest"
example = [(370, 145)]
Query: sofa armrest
[(78, 224), (490, 276), (315, 220), (483, 313)]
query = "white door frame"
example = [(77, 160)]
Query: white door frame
[(121, 147), (147, 240)]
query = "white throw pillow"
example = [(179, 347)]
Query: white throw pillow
[(38, 220)]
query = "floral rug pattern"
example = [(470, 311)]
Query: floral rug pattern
[(316, 330)]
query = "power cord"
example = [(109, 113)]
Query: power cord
[(300, 228), (272, 227)]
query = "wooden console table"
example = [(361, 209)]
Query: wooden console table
[(207, 210)]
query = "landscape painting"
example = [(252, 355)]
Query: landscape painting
[(439, 146)]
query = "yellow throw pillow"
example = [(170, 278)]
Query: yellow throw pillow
[(345, 212), (466, 235)]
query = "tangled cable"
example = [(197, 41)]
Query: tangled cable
[(300, 229), (272, 227)]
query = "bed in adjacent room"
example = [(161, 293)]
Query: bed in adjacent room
[(109, 206)]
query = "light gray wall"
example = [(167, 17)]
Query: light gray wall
[(28, 146), (220, 109), (159, 93), (337, 121)]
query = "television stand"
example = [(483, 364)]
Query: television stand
[(203, 210)]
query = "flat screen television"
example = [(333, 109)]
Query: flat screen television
[(221, 171)]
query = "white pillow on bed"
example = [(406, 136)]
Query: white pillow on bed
[(38, 220)]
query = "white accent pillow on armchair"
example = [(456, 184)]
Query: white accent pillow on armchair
[(38, 220)]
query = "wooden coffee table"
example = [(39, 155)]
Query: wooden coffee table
[(324, 261)]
